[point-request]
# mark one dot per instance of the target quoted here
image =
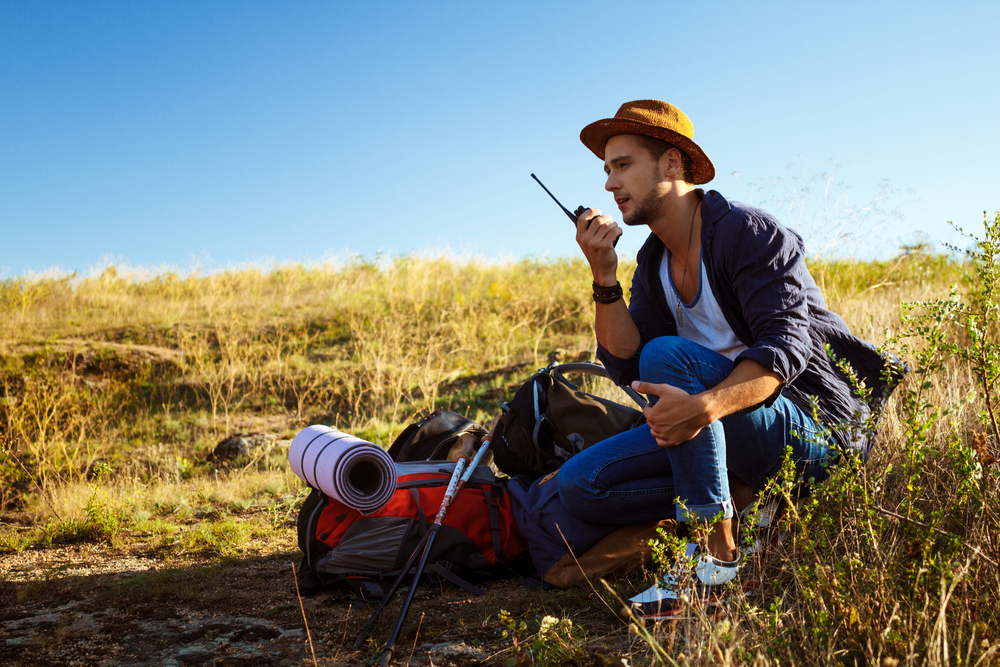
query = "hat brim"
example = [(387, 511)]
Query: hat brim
[(595, 137)]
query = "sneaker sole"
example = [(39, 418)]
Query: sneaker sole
[(670, 611)]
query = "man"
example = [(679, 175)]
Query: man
[(726, 333)]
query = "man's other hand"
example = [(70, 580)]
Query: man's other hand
[(677, 415), (596, 234)]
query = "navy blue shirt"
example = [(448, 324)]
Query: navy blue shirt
[(756, 269)]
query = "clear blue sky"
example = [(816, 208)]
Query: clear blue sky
[(216, 133)]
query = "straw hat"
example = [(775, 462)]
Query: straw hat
[(652, 118)]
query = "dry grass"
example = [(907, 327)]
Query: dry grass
[(114, 389)]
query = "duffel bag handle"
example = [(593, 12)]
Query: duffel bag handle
[(592, 368)]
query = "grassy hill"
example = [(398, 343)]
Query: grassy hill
[(116, 389)]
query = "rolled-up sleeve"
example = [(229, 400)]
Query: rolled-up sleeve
[(770, 277), (648, 320), (623, 371)]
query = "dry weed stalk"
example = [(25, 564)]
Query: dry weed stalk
[(305, 621)]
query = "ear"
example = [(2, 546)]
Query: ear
[(671, 164)]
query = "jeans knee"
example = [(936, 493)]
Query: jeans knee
[(657, 355), (575, 490), (572, 485)]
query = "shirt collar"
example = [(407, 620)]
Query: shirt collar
[(713, 208)]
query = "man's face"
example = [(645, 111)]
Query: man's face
[(634, 178)]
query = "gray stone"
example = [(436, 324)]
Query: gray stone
[(457, 649), (241, 444)]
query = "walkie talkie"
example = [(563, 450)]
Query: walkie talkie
[(571, 216)]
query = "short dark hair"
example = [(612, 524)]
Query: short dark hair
[(657, 147)]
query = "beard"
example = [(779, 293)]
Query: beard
[(645, 211)]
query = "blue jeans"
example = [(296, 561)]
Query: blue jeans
[(628, 478)]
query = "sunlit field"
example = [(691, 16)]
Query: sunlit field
[(115, 390)]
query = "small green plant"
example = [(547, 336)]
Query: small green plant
[(557, 642), (100, 469), (182, 468), (224, 537), (281, 509), (666, 548), (12, 541), (104, 520), (12, 478), (979, 318)]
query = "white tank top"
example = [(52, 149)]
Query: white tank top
[(702, 319)]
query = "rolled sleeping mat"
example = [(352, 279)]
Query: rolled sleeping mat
[(358, 473)]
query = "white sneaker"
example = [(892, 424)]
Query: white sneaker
[(762, 535), (707, 582)]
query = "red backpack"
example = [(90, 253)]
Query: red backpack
[(344, 548)]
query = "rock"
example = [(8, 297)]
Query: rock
[(457, 649), (255, 633), (241, 444), (197, 657)]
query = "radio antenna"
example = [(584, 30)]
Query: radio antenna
[(565, 210)]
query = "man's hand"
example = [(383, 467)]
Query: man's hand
[(677, 416), (596, 234)]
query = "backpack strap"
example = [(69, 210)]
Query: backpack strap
[(421, 517), (309, 583), (364, 588), (544, 427), (309, 534), (539, 411), (445, 573), (495, 526), (418, 525), (402, 556)]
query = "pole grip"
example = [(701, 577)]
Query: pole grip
[(468, 442)]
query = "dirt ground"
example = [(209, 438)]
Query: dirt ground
[(92, 604)]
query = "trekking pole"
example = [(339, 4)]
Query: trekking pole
[(445, 504), (460, 465)]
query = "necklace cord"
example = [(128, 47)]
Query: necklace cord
[(687, 258)]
